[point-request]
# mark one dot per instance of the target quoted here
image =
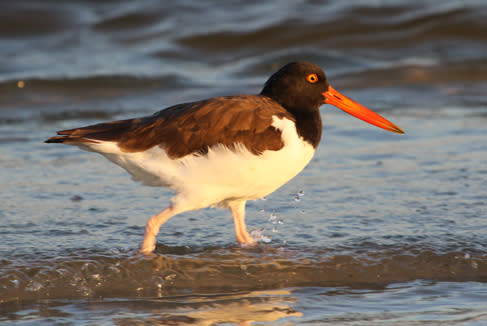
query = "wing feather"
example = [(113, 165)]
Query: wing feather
[(192, 127)]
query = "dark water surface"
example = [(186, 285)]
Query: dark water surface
[(379, 229)]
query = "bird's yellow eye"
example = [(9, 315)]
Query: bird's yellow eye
[(312, 78)]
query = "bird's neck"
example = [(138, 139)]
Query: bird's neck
[(308, 125)]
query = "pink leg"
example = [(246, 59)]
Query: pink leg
[(152, 228), (238, 212)]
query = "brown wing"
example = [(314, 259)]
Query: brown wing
[(193, 127)]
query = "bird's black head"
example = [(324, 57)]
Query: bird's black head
[(298, 86), (301, 87)]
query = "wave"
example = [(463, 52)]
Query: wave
[(181, 270)]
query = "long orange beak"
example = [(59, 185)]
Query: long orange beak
[(358, 110)]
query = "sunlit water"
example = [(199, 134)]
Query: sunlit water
[(379, 229)]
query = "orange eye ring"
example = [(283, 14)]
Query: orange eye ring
[(312, 78)]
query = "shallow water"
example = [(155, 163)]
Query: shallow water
[(379, 229)]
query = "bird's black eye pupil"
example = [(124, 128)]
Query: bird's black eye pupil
[(312, 78)]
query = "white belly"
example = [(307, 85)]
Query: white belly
[(222, 174)]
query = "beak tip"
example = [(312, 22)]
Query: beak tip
[(398, 130)]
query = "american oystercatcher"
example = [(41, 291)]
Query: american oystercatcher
[(226, 150)]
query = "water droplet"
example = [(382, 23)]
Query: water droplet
[(158, 281), (114, 269), (273, 218), (170, 277), (96, 277), (62, 271), (259, 236), (33, 286), (85, 291), (85, 266), (255, 234)]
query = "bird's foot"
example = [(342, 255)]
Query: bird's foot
[(148, 245), (245, 240)]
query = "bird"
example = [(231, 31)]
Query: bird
[(226, 150)]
